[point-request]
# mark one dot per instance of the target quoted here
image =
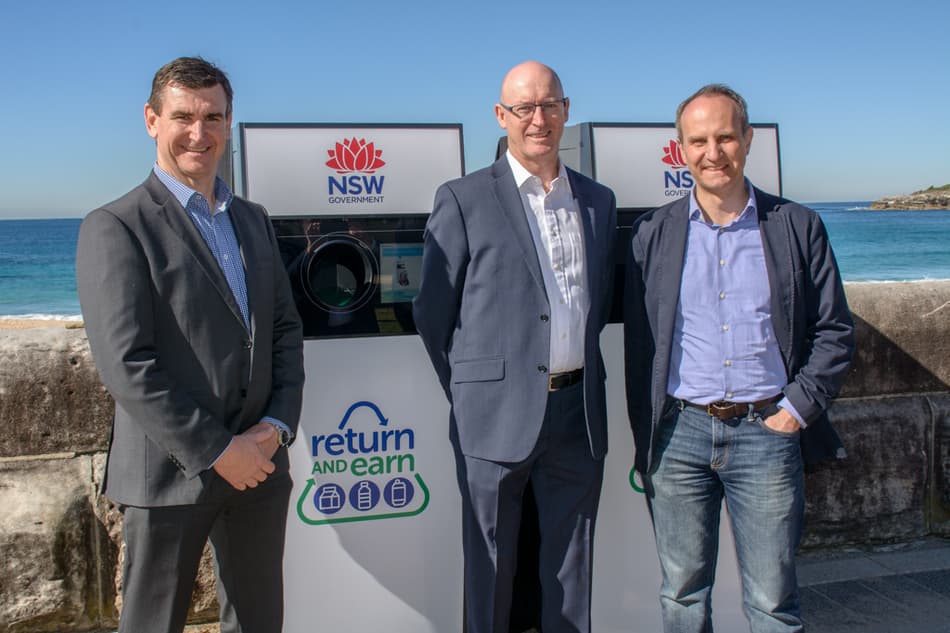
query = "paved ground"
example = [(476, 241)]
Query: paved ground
[(897, 590)]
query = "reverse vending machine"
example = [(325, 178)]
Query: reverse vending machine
[(642, 164), (373, 533)]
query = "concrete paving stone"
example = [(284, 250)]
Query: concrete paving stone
[(820, 614), (814, 572), (927, 559), (887, 604), (853, 597), (936, 581), (920, 601)]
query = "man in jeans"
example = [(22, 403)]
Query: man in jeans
[(737, 337)]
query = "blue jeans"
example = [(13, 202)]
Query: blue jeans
[(698, 460)]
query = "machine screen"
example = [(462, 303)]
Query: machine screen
[(400, 266)]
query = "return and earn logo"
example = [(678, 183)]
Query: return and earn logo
[(364, 471)]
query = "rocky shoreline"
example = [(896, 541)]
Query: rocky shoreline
[(936, 199)]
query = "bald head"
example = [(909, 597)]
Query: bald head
[(528, 75)]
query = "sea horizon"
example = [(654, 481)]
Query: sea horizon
[(37, 255)]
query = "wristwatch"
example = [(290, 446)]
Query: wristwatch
[(284, 437)]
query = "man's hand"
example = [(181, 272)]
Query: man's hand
[(246, 463), (268, 441), (782, 421)]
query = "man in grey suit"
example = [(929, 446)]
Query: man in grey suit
[(194, 332), (516, 285), (737, 337)]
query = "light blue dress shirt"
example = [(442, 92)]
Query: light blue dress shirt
[(216, 230), (724, 347)]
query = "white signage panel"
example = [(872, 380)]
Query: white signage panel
[(644, 167), (374, 530), (322, 170)]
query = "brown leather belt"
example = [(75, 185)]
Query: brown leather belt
[(556, 382), (725, 410)]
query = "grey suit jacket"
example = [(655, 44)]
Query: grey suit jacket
[(809, 314), (483, 313), (172, 348)]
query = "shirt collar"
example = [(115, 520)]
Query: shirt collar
[(750, 209), (522, 175), (184, 194)]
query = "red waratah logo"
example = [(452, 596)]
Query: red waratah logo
[(672, 155), (355, 155)]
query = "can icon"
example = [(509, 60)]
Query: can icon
[(399, 492)]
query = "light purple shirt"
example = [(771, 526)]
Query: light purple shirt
[(724, 347)]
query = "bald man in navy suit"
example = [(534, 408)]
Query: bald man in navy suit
[(515, 290)]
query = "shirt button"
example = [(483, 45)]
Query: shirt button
[(722, 295), (542, 369), (722, 262), (725, 328), (728, 394), (247, 344), (728, 363)]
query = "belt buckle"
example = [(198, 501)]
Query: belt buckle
[(719, 408)]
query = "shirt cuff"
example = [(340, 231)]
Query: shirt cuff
[(276, 422), (786, 404)]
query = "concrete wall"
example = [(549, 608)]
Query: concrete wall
[(60, 543)]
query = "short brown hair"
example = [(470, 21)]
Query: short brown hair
[(188, 72), (710, 90)]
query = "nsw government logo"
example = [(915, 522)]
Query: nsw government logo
[(366, 471), (355, 161), (676, 181)]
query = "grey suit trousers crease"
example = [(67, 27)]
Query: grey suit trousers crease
[(166, 543)]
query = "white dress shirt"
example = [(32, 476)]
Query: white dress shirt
[(558, 233)]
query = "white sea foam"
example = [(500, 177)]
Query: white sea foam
[(893, 281), (41, 317)]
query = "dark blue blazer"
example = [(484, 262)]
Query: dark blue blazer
[(483, 312), (810, 316)]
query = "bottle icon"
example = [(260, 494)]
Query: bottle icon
[(364, 496)]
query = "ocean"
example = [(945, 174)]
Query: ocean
[(37, 274)]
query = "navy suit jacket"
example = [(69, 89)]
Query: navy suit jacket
[(809, 313), (483, 312)]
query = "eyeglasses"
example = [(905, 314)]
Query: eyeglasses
[(550, 108)]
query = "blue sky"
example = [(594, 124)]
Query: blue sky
[(859, 89)]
